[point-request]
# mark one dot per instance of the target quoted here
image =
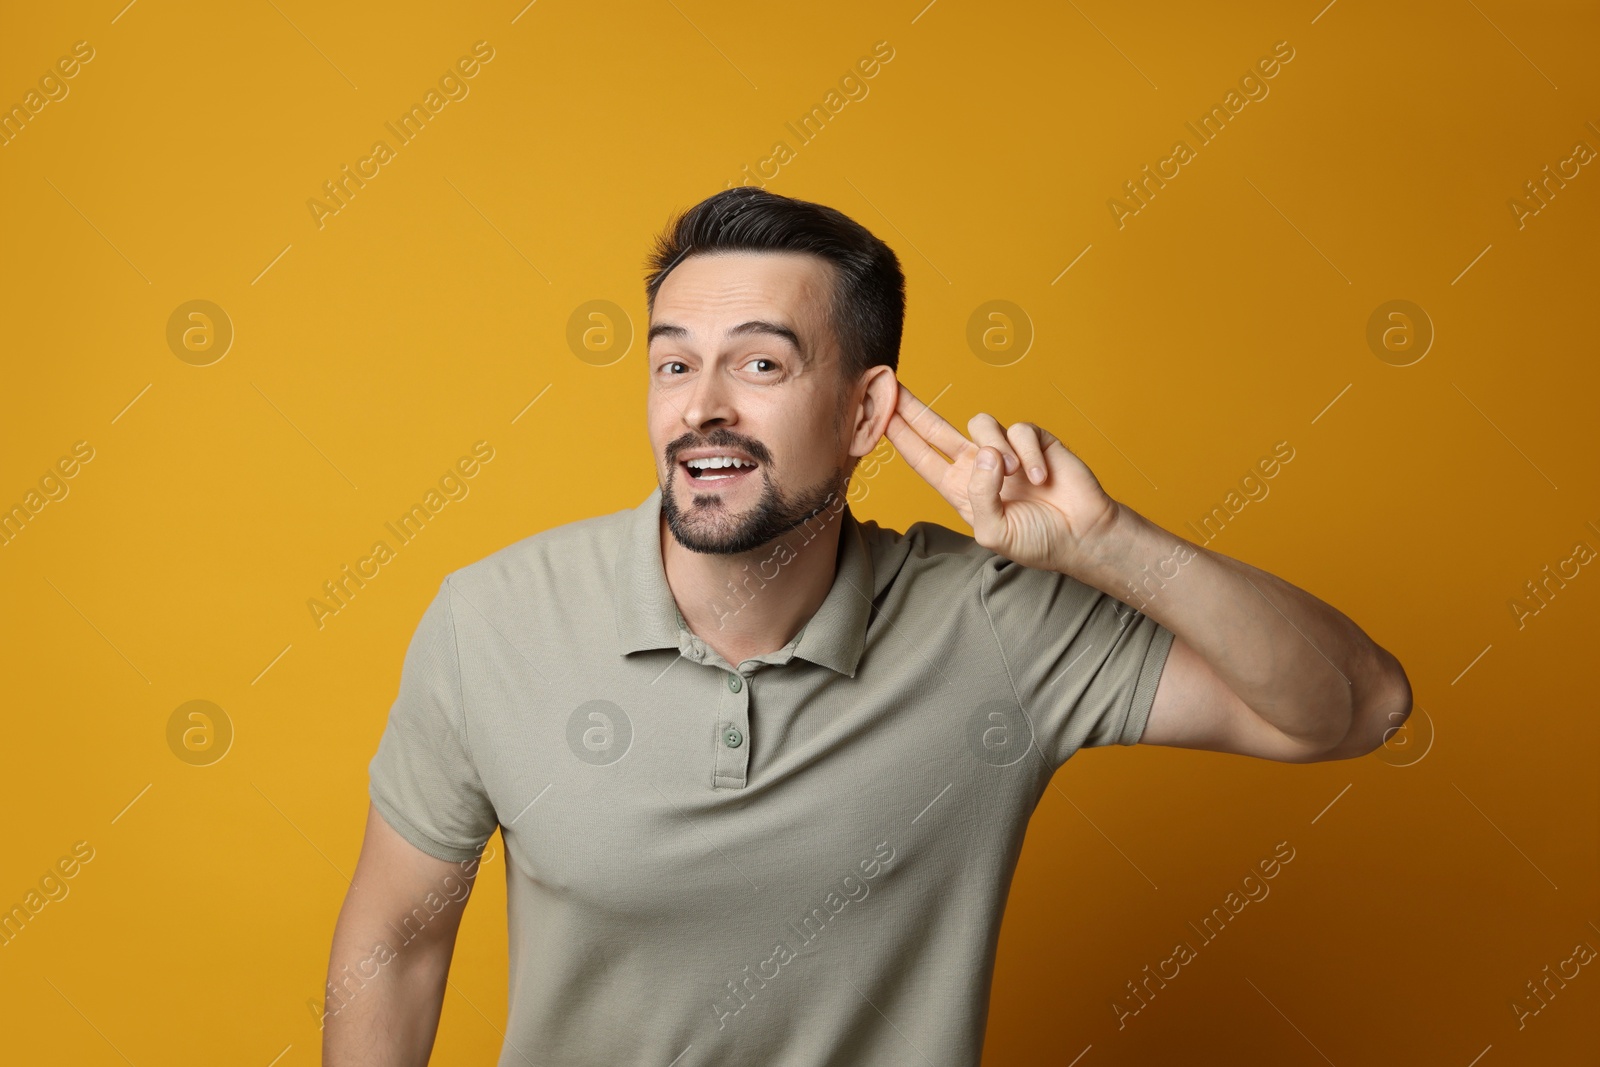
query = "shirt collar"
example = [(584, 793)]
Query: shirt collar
[(648, 618)]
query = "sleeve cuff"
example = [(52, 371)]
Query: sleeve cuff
[(408, 830), (1144, 691)]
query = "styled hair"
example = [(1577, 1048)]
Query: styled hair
[(868, 305)]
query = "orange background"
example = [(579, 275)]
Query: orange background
[(1430, 880)]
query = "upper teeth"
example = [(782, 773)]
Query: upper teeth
[(718, 461)]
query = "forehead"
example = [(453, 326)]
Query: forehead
[(705, 289)]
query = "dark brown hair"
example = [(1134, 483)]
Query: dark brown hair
[(868, 307)]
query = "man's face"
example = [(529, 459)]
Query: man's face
[(744, 365)]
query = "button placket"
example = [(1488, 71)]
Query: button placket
[(732, 763)]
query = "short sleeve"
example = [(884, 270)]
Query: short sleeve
[(422, 779), (1084, 665)]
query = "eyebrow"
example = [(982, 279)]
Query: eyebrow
[(754, 326)]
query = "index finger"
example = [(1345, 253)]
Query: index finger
[(928, 424), (921, 456)]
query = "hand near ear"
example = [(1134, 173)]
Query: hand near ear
[(1035, 503)]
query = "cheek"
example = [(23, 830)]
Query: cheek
[(658, 427), (811, 450)]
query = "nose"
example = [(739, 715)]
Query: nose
[(709, 403)]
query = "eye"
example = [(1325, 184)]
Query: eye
[(763, 359), (671, 363)]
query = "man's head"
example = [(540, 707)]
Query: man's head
[(774, 336)]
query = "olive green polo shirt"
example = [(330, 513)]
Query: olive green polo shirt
[(799, 860)]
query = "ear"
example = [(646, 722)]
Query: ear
[(869, 417)]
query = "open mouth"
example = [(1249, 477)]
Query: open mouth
[(719, 471)]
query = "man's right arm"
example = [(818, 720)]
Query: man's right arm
[(391, 953)]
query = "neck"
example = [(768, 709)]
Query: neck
[(754, 602)]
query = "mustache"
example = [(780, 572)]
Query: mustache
[(720, 438)]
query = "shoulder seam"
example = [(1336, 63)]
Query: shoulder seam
[(461, 695), (1036, 742)]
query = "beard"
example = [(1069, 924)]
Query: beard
[(707, 526)]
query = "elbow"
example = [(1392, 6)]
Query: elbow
[(1379, 718), (1402, 695), (1397, 706)]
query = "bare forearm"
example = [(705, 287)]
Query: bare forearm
[(383, 1008), (1298, 662)]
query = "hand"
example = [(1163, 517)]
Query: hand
[(1046, 518)]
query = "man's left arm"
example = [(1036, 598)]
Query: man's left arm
[(1258, 666)]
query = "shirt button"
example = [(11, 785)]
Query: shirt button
[(732, 738), (735, 685)]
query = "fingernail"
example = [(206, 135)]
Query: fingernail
[(986, 460), (1037, 473)]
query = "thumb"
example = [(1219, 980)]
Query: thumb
[(983, 495)]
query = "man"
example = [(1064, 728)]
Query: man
[(763, 771)]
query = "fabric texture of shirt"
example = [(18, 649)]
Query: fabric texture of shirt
[(800, 860)]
